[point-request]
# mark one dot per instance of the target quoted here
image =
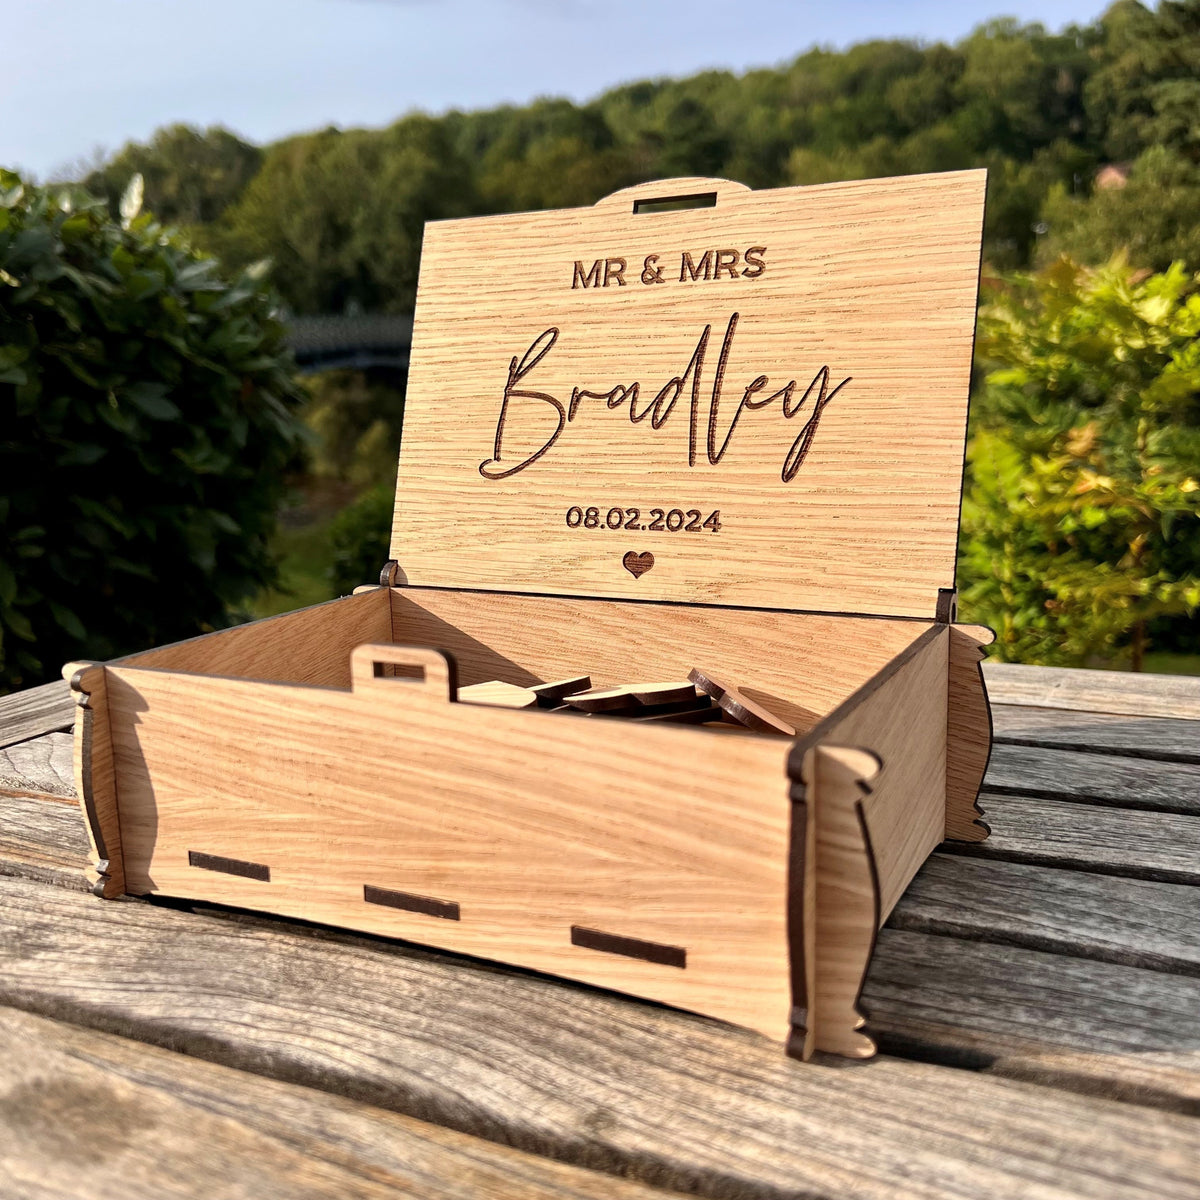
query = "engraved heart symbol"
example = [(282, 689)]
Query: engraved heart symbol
[(637, 564)]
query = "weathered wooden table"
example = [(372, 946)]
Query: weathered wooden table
[(1036, 998)]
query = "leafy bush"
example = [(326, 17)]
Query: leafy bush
[(146, 420), (1081, 521), (360, 535)]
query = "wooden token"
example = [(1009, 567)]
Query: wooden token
[(739, 706), (551, 695), (603, 700), (698, 714), (497, 694), (664, 693)]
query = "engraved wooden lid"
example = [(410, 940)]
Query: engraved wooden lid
[(757, 402)]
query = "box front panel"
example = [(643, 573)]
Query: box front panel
[(564, 844)]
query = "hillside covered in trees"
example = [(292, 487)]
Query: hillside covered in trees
[(1080, 535), (340, 212)]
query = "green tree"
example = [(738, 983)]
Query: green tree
[(191, 176), (146, 421), (1154, 218), (340, 215), (356, 421), (1081, 521), (360, 535), (1147, 90)]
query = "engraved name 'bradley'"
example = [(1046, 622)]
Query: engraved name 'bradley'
[(658, 410)]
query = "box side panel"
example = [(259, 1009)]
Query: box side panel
[(650, 860), (969, 734), (900, 717), (811, 661), (309, 646), (95, 779)]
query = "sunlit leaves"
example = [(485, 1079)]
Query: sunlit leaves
[(146, 423), (1081, 521)]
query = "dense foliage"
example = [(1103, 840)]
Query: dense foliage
[(340, 213), (359, 536), (1080, 536), (192, 176), (146, 421), (1081, 522)]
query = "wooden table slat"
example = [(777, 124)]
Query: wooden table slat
[(1089, 837), (134, 1120), (1134, 922), (577, 1074), (1135, 694), (1066, 1022), (43, 839), (1097, 778), (39, 710), (1156, 738), (43, 764)]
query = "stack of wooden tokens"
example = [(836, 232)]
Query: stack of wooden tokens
[(701, 699)]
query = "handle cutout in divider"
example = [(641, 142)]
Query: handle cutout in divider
[(428, 671), (391, 670), (675, 203)]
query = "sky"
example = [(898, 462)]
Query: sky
[(82, 77)]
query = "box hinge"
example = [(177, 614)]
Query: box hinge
[(390, 575), (947, 606)]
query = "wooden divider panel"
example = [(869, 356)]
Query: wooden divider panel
[(809, 660), (311, 645)]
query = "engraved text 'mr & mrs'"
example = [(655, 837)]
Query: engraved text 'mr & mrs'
[(659, 409)]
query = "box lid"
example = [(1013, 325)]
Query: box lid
[(761, 401)]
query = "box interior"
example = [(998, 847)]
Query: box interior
[(806, 664)]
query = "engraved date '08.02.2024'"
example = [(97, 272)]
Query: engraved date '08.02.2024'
[(673, 520)]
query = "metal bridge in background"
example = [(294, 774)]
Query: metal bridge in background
[(369, 341)]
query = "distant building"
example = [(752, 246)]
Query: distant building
[(1112, 175)]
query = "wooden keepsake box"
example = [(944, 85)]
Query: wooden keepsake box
[(693, 427)]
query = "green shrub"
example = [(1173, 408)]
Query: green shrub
[(360, 535), (146, 420), (1081, 519)]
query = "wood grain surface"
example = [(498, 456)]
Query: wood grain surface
[(584, 1076), (1067, 1022), (1159, 739), (522, 465), (327, 792), (1134, 922), (311, 645), (43, 838), (812, 661), (1133, 694), (901, 718), (35, 711), (968, 733), (1171, 787), (136, 1120), (1035, 960), (1089, 837), (43, 764)]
